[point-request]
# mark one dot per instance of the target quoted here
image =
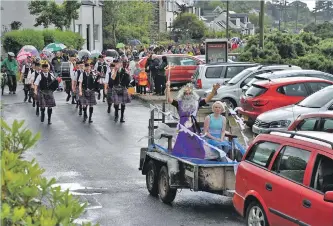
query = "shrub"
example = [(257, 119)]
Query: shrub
[(14, 40), (27, 197)]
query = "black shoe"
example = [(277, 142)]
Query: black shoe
[(116, 118), (14, 92), (37, 112), (80, 111), (109, 110), (42, 117), (122, 120), (90, 121), (49, 122), (99, 96), (25, 99), (33, 104), (29, 101), (68, 97), (73, 101)]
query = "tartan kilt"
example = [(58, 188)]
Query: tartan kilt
[(26, 87), (109, 96), (121, 99), (46, 99), (88, 98), (77, 94)]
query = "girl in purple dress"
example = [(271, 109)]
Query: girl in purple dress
[(187, 104)]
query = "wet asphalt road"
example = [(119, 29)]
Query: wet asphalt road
[(103, 157)]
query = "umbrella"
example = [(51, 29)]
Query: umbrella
[(111, 53), (48, 54), (120, 45), (30, 49), (54, 47), (95, 53), (83, 53), (70, 51), (134, 42), (23, 56)]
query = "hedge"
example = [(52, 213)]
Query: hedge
[(13, 41)]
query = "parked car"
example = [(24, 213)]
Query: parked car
[(232, 91), (288, 73), (185, 66), (286, 179), (281, 118), (267, 95), (320, 121), (209, 74)]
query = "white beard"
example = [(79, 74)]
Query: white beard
[(189, 103)]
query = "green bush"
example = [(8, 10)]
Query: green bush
[(13, 41), (27, 197)]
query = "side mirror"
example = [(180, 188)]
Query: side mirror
[(328, 196)]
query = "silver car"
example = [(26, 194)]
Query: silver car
[(281, 118)]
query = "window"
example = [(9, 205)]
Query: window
[(173, 60), (307, 125), (240, 76), (262, 153), (318, 99), (186, 61), (291, 163), (232, 71), (328, 125), (78, 28), (316, 86), (293, 90), (214, 72), (255, 91), (96, 32), (322, 174)]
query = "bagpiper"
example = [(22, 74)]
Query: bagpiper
[(102, 70), (75, 84), (47, 84), (108, 84), (87, 85), (26, 70), (121, 80), (33, 78)]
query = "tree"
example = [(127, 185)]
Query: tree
[(190, 25), (49, 12), (120, 20), (326, 9), (15, 25)]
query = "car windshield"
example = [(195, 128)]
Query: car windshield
[(318, 99), (255, 91), (240, 75)]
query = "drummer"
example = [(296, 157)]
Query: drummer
[(46, 98), (102, 69)]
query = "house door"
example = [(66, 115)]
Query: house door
[(88, 36)]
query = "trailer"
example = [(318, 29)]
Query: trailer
[(165, 173)]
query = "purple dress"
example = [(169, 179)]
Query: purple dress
[(187, 145)]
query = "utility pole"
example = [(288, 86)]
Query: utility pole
[(280, 17), (262, 16), (285, 14), (297, 6), (227, 20)]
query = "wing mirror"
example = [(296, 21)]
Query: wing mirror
[(328, 197)]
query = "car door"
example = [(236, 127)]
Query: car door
[(189, 65), (288, 172), (292, 94), (176, 72), (314, 210)]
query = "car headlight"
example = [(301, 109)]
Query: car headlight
[(280, 124)]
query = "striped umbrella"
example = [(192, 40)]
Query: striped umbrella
[(54, 47)]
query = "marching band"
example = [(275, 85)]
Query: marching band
[(83, 81)]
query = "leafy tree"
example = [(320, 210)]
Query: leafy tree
[(120, 20), (49, 12), (190, 25), (326, 9), (15, 25), (324, 30)]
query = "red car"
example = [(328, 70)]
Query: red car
[(286, 179), (268, 95), (319, 121), (184, 67)]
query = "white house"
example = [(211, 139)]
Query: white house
[(89, 23)]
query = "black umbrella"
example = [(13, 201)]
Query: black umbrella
[(111, 53), (134, 42)]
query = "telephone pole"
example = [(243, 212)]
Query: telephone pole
[(227, 20), (262, 16)]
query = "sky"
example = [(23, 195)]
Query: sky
[(311, 3)]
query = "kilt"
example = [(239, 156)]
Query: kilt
[(88, 98), (120, 99), (109, 96), (77, 94), (46, 99)]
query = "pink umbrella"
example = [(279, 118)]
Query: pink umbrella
[(23, 56)]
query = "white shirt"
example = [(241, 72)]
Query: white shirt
[(75, 75), (30, 78), (71, 70), (81, 76), (39, 77)]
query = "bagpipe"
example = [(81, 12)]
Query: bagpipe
[(53, 86)]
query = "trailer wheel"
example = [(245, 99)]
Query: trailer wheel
[(152, 178), (167, 194)]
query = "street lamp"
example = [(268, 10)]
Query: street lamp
[(93, 4)]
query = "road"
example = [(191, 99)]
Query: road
[(99, 163)]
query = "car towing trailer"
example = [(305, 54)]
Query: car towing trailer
[(165, 173)]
